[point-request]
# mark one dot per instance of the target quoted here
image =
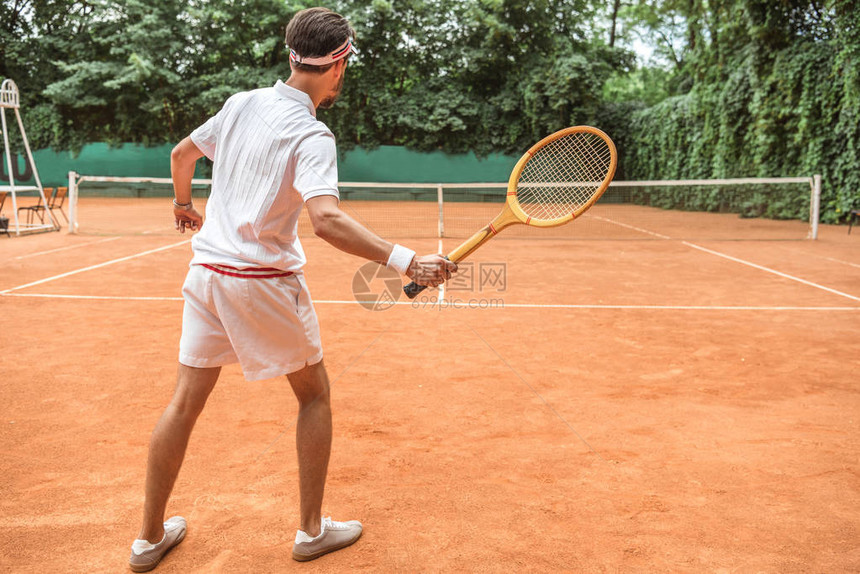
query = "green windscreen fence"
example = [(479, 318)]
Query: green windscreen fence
[(383, 164)]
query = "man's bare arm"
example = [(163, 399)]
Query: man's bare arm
[(343, 232), (183, 159)]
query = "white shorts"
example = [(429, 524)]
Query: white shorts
[(267, 325)]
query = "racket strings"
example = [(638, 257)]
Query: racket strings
[(563, 176)]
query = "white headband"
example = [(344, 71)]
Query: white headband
[(342, 52)]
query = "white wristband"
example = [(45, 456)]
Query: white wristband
[(400, 259)]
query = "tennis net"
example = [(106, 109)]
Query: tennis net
[(731, 209)]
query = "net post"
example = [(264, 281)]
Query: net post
[(815, 208), (440, 193), (73, 203)]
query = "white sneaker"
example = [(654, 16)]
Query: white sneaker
[(333, 536), (146, 556)]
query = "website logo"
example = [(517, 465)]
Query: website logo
[(376, 287)]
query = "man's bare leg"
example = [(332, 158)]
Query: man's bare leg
[(168, 442), (313, 441)]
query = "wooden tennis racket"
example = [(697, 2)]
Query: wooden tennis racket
[(554, 182)]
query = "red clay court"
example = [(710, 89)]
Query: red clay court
[(642, 403)]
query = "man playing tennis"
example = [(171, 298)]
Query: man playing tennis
[(245, 297)]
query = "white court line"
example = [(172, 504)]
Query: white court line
[(90, 297), (672, 307), (465, 306), (817, 256), (91, 267), (769, 270), (683, 307), (633, 227), (65, 248), (840, 261), (736, 260)]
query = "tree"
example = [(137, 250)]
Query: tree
[(469, 75), (766, 88)]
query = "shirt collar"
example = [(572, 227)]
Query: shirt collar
[(292, 93)]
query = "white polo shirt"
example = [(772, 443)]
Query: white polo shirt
[(270, 154)]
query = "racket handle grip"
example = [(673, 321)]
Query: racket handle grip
[(413, 289)]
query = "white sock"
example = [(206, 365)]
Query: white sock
[(302, 536), (140, 546)]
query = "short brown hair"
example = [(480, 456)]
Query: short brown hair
[(317, 32)]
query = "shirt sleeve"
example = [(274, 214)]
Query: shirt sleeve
[(205, 137), (316, 166)]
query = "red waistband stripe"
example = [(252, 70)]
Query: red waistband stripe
[(248, 272)]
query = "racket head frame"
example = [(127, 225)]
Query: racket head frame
[(512, 202)]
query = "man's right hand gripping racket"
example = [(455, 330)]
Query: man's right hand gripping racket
[(554, 182)]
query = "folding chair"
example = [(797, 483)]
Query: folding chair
[(58, 200), (39, 208)]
